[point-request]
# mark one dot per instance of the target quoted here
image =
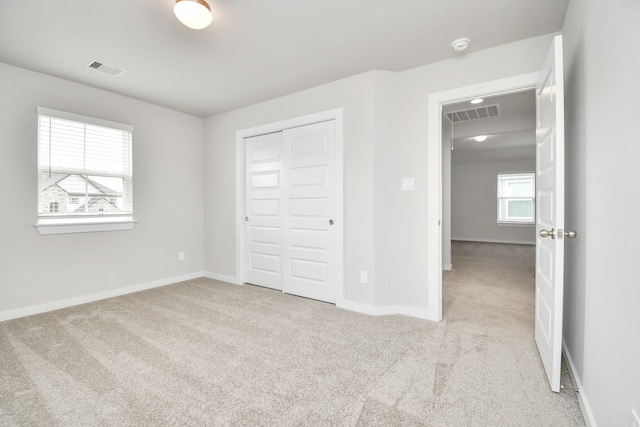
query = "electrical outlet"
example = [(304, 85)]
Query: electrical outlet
[(635, 419), (180, 256), (363, 277)]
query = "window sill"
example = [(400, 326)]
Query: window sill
[(92, 225), (516, 224)]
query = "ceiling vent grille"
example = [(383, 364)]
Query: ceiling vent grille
[(483, 112), (106, 68)]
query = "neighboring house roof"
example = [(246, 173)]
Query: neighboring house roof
[(78, 185), (95, 200)]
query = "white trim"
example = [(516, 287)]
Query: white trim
[(385, 310), (447, 267), (84, 227), (337, 116), (222, 278), (587, 413), (434, 165), (509, 242), (70, 302)]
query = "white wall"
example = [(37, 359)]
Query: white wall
[(355, 95), (474, 206), (401, 151), (446, 197), (385, 116), (602, 283), (168, 192)]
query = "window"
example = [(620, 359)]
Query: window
[(83, 162), (516, 198)]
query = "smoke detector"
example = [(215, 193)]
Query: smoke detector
[(460, 45)]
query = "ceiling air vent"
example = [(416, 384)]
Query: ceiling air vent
[(474, 113), (106, 68)]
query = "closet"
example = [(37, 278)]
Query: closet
[(290, 206)]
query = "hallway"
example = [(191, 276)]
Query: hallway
[(488, 307)]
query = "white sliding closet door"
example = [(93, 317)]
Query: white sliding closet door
[(290, 199), (309, 195), (263, 205)]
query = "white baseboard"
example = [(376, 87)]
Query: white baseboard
[(587, 413), (222, 278), (384, 310), (510, 242), (447, 267), (70, 302)]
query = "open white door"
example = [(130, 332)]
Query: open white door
[(550, 213)]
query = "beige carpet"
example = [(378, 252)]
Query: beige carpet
[(207, 353)]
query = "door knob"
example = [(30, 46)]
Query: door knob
[(547, 233), (571, 234)]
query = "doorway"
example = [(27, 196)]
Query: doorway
[(437, 101), (549, 176), (488, 171), (488, 222)]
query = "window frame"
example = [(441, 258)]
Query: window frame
[(66, 222), (500, 219)]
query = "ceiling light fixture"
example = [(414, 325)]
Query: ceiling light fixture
[(477, 101), (460, 45), (194, 14), (480, 138)]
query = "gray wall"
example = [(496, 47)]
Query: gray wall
[(385, 139), (602, 283), (474, 208), (355, 96), (446, 197), (168, 192)]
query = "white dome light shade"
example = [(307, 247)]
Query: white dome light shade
[(477, 101), (194, 14), (480, 138)]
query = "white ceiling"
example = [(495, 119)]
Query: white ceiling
[(514, 127), (254, 50)]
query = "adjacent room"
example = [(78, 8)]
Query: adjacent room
[(266, 213)]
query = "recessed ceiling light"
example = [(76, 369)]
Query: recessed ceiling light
[(477, 101), (480, 138), (460, 45)]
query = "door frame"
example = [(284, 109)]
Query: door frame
[(337, 116), (436, 101)]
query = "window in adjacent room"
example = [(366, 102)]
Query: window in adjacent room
[(516, 198), (84, 173)]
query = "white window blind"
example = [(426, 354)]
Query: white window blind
[(516, 198), (84, 167)]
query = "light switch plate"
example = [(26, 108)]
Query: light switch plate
[(363, 277), (408, 184)]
